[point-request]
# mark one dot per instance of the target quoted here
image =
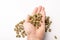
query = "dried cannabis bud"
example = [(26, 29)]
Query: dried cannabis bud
[(55, 37), (20, 29), (47, 23), (49, 30), (35, 20)]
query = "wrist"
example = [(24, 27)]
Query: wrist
[(31, 37)]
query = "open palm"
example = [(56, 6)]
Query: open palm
[(30, 30)]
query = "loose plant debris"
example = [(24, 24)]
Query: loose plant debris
[(35, 20)]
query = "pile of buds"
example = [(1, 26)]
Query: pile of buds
[(35, 20)]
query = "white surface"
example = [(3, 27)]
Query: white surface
[(12, 11)]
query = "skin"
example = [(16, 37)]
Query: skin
[(31, 31)]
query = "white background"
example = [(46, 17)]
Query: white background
[(12, 11)]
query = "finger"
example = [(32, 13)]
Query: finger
[(34, 11), (39, 9), (43, 14), (43, 18)]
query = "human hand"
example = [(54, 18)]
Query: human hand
[(31, 31)]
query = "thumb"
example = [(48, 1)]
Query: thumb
[(29, 28)]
